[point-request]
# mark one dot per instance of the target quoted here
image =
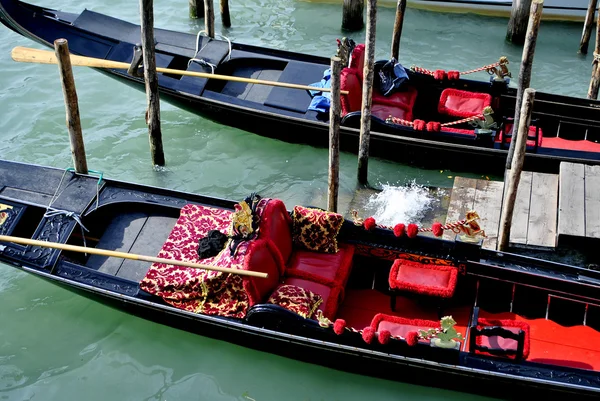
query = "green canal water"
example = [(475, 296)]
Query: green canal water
[(57, 346)]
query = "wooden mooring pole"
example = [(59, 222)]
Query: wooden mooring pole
[(334, 135), (225, 17), (587, 27), (398, 23), (61, 48), (517, 24), (352, 15), (195, 11), (533, 27), (513, 177), (209, 18), (367, 93), (595, 82), (151, 79)]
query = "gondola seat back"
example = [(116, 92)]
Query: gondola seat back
[(261, 256), (499, 337), (325, 274), (398, 104)]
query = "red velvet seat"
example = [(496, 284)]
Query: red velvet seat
[(401, 326), (499, 337), (398, 104), (422, 279), (332, 296), (331, 269), (463, 104), (560, 143)]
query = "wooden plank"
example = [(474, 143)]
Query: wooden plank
[(119, 236), (488, 203), (571, 216), (592, 201), (461, 201), (518, 230), (543, 213), (149, 242)]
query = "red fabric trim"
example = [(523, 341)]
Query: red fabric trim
[(423, 288), (469, 132), (462, 109), (560, 143), (482, 322)]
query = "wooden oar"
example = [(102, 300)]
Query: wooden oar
[(124, 255), (29, 55)]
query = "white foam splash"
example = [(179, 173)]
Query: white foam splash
[(405, 204)]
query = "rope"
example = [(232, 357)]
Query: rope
[(441, 74), (420, 126), (464, 120)]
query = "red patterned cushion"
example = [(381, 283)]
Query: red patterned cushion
[(296, 299), (316, 230)]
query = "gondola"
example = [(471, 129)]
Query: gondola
[(563, 10), (347, 293), (423, 131)]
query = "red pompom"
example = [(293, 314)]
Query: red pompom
[(454, 75), (440, 74), (369, 223), (412, 230), (399, 230), (339, 326), (433, 126), (419, 125), (412, 338), (368, 334), (384, 336), (437, 229)]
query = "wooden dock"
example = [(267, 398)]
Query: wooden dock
[(548, 206)]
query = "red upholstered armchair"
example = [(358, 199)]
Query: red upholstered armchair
[(499, 337)]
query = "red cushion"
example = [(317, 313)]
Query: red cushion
[(454, 102), (275, 225), (560, 143), (383, 111), (530, 142), (400, 326), (351, 82), (497, 342), (435, 280), (405, 99), (332, 297), (357, 60), (261, 257), (331, 269)]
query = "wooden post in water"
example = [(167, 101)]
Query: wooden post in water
[(334, 135), (367, 93), (398, 23), (517, 24), (61, 48), (209, 18), (595, 82), (225, 18), (511, 183), (195, 12), (533, 27), (151, 79), (587, 27), (352, 15)]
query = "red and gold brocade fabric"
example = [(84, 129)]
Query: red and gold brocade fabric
[(198, 290)]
